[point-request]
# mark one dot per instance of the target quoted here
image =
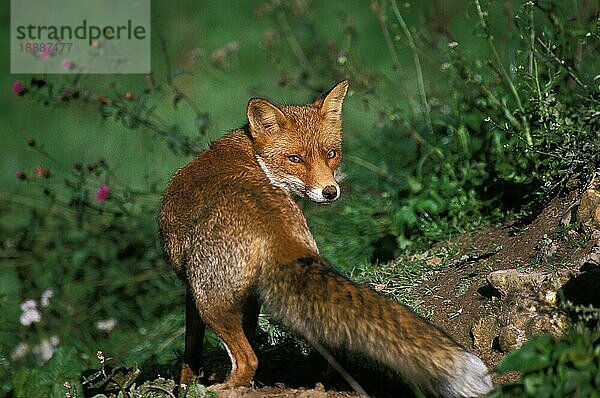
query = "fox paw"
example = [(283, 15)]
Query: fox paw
[(227, 386), (219, 387)]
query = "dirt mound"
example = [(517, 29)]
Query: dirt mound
[(552, 247)]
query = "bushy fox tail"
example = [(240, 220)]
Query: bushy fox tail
[(314, 300)]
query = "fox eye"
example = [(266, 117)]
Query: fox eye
[(295, 159), (331, 154)]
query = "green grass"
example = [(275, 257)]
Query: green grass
[(457, 117)]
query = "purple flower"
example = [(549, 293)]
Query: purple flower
[(103, 193), (20, 175), (18, 88)]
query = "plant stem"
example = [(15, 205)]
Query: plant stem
[(533, 66), (503, 73), (293, 42), (560, 62), (371, 167), (417, 61), (392, 50)]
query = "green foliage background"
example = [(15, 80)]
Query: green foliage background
[(460, 114)]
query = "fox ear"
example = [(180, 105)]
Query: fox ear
[(264, 117), (330, 103)]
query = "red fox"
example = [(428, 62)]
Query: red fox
[(233, 232)]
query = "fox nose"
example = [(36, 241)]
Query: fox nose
[(330, 192)]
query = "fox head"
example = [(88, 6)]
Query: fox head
[(300, 147)]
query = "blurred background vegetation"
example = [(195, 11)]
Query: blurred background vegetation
[(460, 114)]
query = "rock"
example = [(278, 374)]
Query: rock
[(513, 280), (484, 332), (511, 337), (593, 257), (547, 248), (519, 326), (588, 213), (508, 280), (556, 324), (548, 291), (527, 308)]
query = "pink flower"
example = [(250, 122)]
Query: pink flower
[(20, 175), (18, 87), (45, 53), (66, 64), (103, 193)]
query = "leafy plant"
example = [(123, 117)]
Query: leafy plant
[(81, 229), (464, 134), (49, 379), (503, 140), (555, 368)]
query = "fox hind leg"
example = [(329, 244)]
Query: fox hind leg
[(250, 312), (227, 324), (194, 338)]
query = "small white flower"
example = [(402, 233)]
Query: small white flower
[(452, 44), (28, 305), (46, 348), (46, 296), (20, 351), (54, 341), (106, 325), (30, 316)]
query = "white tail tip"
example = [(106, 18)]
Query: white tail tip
[(471, 378)]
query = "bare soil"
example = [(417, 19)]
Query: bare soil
[(544, 244)]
